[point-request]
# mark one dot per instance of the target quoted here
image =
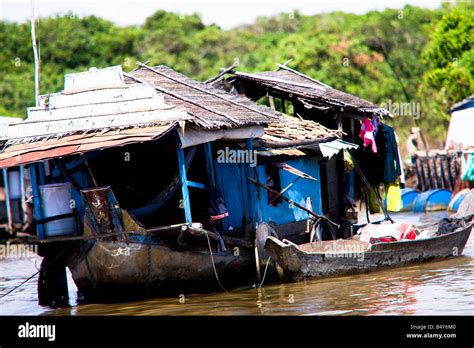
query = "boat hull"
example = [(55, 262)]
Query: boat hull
[(301, 264), (110, 271)]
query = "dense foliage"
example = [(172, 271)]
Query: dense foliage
[(411, 55)]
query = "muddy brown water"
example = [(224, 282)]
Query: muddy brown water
[(441, 287)]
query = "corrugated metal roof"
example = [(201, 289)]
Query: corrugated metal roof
[(24, 153)]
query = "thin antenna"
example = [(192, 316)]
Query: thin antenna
[(35, 54)]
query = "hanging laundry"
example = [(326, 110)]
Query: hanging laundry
[(388, 148), (384, 166), (376, 123), (372, 203), (393, 197), (348, 162), (367, 134)]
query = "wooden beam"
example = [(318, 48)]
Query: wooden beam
[(271, 100), (209, 163), (222, 73), (22, 193), (339, 122), (7, 200), (37, 200), (252, 213), (184, 184), (352, 116), (195, 184), (42, 173)]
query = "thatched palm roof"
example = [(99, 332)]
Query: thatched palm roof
[(310, 92), (209, 107)]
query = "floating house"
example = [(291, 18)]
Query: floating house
[(151, 182), (302, 96)]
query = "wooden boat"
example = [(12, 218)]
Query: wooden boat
[(351, 256), (113, 270), (118, 259)]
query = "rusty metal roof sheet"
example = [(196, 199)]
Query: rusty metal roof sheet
[(24, 153)]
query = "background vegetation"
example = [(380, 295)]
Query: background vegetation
[(400, 55)]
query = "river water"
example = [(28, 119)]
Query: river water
[(435, 288)]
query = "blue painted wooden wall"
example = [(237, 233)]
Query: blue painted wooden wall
[(283, 212), (232, 180)]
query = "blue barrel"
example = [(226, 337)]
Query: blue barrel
[(432, 200), (408, 197), (457, 200)]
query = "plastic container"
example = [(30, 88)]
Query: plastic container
[(56, 200), (409, 196), (432, 200), (14, 186)]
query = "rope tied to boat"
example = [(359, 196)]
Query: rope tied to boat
[(265, 272), (212, 261)]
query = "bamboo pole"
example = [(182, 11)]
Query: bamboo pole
[(35, 54), (292, 202)]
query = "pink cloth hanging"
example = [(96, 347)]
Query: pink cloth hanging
[(367, 134)]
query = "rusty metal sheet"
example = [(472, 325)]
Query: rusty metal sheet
[(30, 157), (19, 154)]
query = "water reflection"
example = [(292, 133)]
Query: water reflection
[(443, 287)]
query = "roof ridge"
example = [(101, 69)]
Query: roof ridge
[(215, 94), (164, 90), (298, 73)]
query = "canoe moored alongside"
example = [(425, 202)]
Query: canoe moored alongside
[(345, 257)]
